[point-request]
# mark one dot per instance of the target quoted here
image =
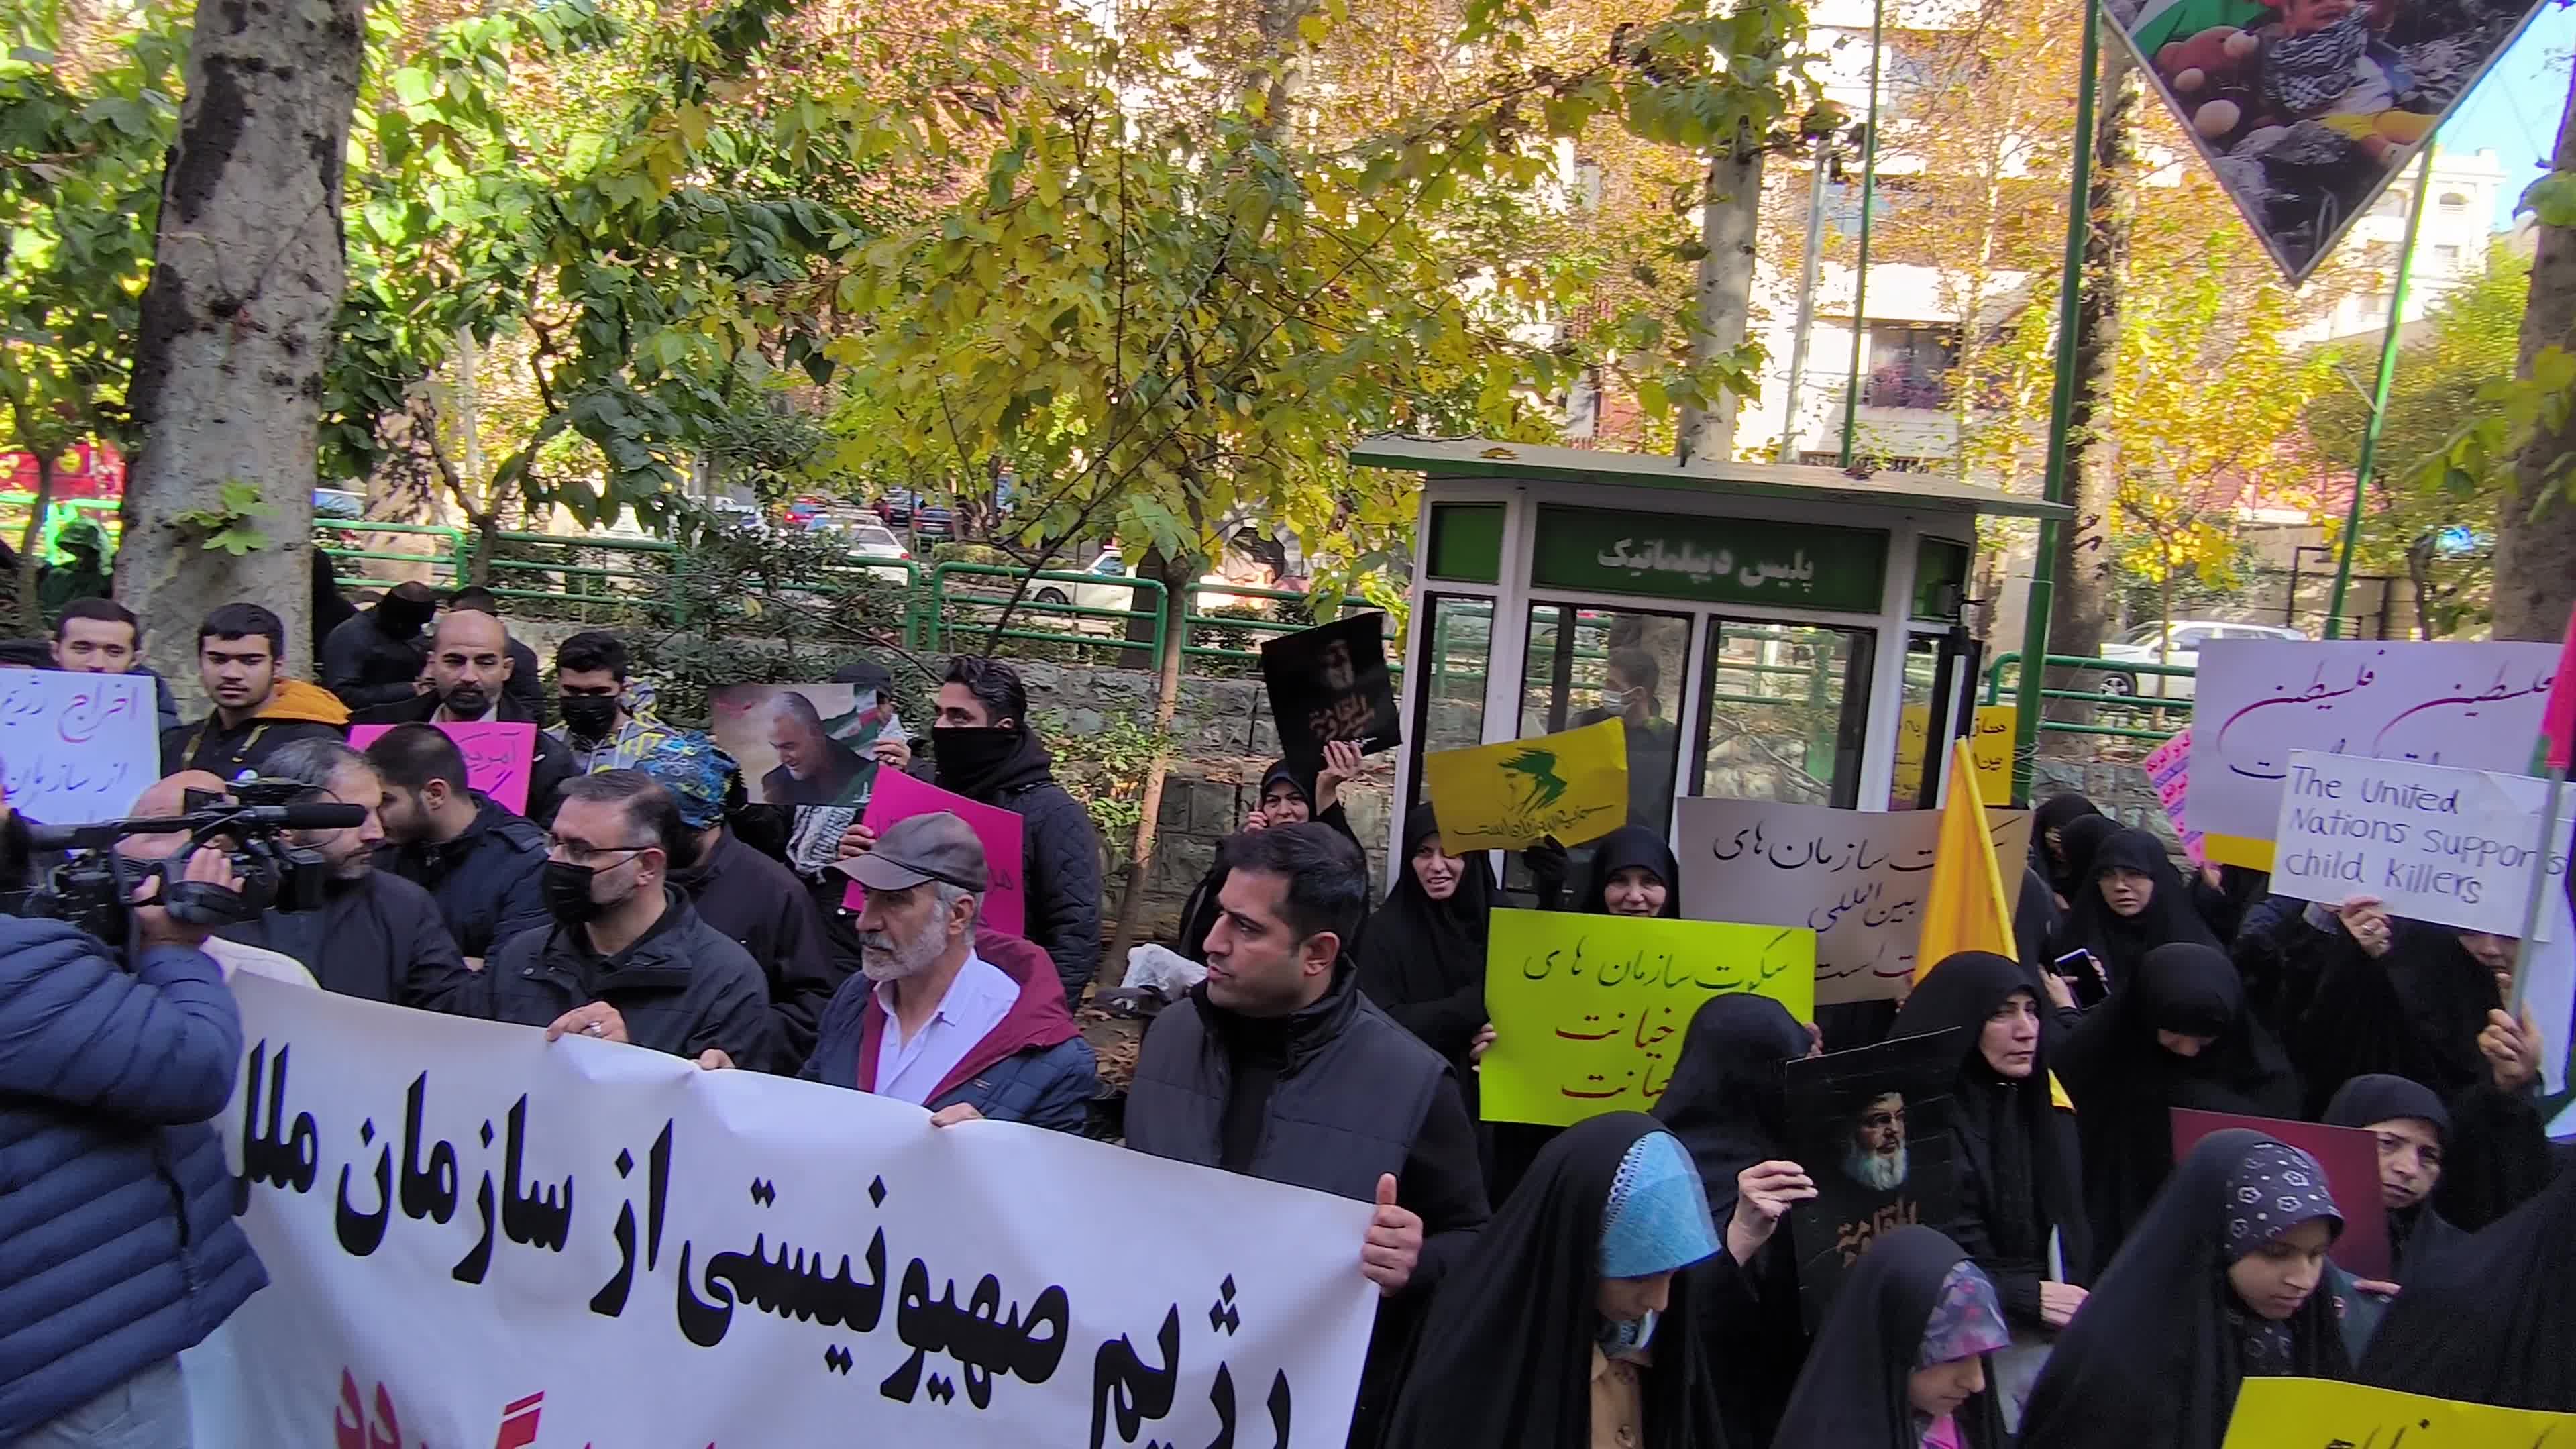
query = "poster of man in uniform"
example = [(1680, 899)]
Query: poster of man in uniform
[(809, 749), (2306, 108), (1872, 1129)]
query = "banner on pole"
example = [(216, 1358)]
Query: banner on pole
[(1590, 1011), (463, 1223), (2305, 109), (1857, 878)]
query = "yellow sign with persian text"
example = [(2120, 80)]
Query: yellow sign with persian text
[(2321, 1414), (1572, 785), (1590, 1012)]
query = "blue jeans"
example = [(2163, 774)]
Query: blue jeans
[(147, 1411)]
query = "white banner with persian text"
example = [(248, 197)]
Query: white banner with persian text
[(474, 1237), (2473, 706), (1856, 878)]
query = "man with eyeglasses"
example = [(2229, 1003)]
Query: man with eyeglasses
[(627, 958)]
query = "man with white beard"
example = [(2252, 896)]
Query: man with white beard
[(1877, 1157), (968, 1023)]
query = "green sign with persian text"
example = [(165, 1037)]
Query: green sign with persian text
[(1711, 560)]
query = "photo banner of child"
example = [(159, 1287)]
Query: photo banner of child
[(1872, 1129), (2306, 109), (808, 749)]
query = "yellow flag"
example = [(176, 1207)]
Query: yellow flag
[(1966, 908)]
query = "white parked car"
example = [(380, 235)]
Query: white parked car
[(2177, 643), (870, 540)]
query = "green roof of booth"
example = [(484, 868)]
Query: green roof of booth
[(1482, 458)]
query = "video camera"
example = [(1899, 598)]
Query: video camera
[(94, 887)]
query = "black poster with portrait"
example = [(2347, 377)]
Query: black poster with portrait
[(1872, 1129), (1331, 683)]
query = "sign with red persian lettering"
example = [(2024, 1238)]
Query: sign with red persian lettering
[(474, 1236)]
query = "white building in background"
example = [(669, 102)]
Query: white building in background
[(2451, 248), (1910, 327)]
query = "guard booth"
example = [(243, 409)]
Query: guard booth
[(1766, 630)]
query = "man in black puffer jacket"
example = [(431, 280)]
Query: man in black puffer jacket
[(982, 748)]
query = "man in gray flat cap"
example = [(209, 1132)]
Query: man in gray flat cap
[(969, 1023)]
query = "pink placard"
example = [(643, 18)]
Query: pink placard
[(900, 797), (2168, 768), (2350, 1156), (497, 755)]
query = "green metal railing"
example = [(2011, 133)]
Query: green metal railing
[(58, 515), (2162, 708), (953, 608), (451, 562)]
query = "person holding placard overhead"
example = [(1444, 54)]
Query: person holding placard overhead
[(1288, 797), (2369, 993)]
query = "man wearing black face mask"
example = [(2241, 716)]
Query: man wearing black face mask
[(983, 749), (755, 901), (375, 658), (470, 669), (627, 958)]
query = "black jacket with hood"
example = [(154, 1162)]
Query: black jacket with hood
[(1059, 854)]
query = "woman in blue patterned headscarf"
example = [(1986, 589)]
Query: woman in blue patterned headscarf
[(2223, 1280), (1555, 1328)]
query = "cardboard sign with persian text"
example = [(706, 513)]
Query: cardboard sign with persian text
[(497, 755), (1857, 878), (1590, 1011)]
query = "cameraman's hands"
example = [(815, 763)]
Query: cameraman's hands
[(153, 925)]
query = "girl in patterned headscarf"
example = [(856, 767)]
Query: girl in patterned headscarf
[(1901, 1360), (1553, 1335), (2219, 1283)]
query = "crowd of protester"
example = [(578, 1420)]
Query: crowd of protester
[(1626, 1281)]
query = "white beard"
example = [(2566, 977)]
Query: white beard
[(1876, 1172)]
